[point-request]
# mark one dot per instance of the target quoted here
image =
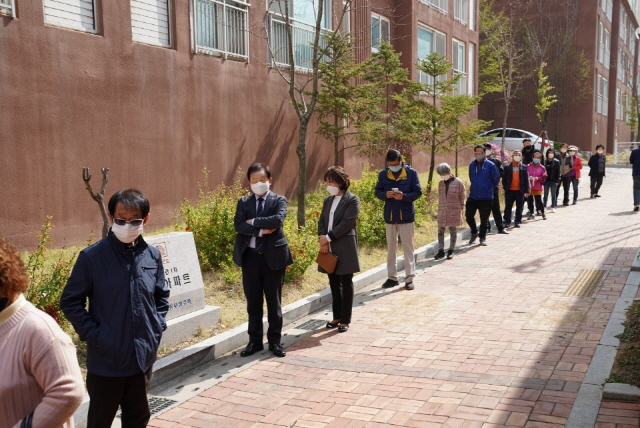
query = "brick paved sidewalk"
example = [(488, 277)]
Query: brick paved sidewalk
[(488, 339)]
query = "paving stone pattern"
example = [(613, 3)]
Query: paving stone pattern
[(487, 339)]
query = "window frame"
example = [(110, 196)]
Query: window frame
[(461, 5), (223, 46), (380, 19), (8, 8), (460, 89), (96, 19), (422, 78), (170, 35), (439, 5)]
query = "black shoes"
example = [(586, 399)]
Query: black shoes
[(503, 232), (483, 242), (408, 286), (390, 283), (251, 349), (474, 236), (636, 208), (277, 350), (596, 196), (544, 216), (332, 324), (517, 225), (449, 254), (574, 202), (440, 255)]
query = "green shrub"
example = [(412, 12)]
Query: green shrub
[(371, 225), (304, 247)]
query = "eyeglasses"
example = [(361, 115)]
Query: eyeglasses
[(122, 222)]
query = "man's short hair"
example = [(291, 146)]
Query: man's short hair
[(129, 198), (478, 147), (516, 151), (258, 166), (393, 155), (525, 140), (488, 146), (599, 146), (13, 278)]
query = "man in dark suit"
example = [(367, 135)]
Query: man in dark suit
[(262, 251)]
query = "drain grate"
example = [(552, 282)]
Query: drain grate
[(312, 324), (156, 405), (585, 283)]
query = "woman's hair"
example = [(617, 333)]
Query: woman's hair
[(337, 175), (551, 151), (393, 155), (443, 168), (599, 146), (13, 278), (537, 152)]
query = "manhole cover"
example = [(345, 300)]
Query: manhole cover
[(585, 283), (312, 325), (156, 404)]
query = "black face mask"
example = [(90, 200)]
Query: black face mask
[(3, 303)]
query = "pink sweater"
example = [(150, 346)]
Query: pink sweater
[(39, 369)]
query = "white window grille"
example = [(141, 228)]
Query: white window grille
[(439, 5), (458, 61), (600, 42), (620, 70), (429, 41), (461, 11), (607, 48), (8, 7), (380, 31), (618, 104), (472, 15), (603, 96), (471, 75), (150, 22), (609, 11), (220, 27), (346, 17), (75, 14)]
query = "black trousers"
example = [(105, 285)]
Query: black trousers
[(342, 294), (128, 392), (484, 207), (539, 203), (596, 182), (566, 183), (495, 211), (512, 196), (530, 203), (258, 279)]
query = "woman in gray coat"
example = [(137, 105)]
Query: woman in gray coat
[(337, 233)]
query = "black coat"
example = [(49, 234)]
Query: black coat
[(527, 155), (594, 160), (508, 178), (276, 247), (343, 232), (553, 170)]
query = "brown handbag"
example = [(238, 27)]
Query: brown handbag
[(327, 261)]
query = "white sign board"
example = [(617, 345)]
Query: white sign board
[(181, 271)]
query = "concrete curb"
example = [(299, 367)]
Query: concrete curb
[(621, 391), (585, 409), (635, 266)]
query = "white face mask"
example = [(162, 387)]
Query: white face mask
[(517, 158), (563, 150), (550, 155), (333, 190), (445, 177), (260, 188), (127, 233), (600, 152), (487, 152)]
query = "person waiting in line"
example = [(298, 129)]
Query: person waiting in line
[(40, 380), (451, 195), (566, 165), (537, 177), (337, 234), (484, 176), (634, 160), (495, 206), (575, 171), (552, 165), (597, 164), (399, 186), (527, 159), (516, 188)]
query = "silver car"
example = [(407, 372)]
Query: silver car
[(514, 137)]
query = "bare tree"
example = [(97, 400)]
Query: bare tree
[(98, 196)]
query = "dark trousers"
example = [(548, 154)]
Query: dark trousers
[(495, 211), (342, 294), (596, 182), (565, 182), (128, 392), (574, 183), (530, 203), (484, 207), (512, 196), (258, 279), (539, 203), (636, 190)]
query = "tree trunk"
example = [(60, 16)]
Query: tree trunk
[(336, 142), (301, 151), (457, 153), (432, 166), (504, 128)]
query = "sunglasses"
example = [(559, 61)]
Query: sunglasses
[(122, 222)]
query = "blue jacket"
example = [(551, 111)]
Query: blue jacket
[(484, 178), (128, 302), (399, 211), (634, 160)]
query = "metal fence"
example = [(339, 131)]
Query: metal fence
[(222, 27), (302, 35), (622, 151)]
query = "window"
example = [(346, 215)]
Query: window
[(8, 7), (220, 28), (607, 8), (150, 22), (74, 14), (621, 61), (346, 17), (429, 41), (379, 31), (471, 78), (440, 5), (619, 106), (595, 127), (623, 24), (472, 15), (458, 61), (604, 53), (602, 100), (302, 17), (461, 10)]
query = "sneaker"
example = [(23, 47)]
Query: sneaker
[(636, 208), (483, 242), (597, 196), (592, 196), (553, 210), (449, 254), (474, 236), (538, 213), (531, 217), (506, 225), (517, 225), (390, 283), (440, 255), (503, 232), (565, 204), (544, 217), (408, 286), (574, 202)]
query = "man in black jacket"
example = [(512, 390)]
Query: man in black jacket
[(516, 188), (262, 251), (495, 207)]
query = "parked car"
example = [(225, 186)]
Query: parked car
[(514, 137)]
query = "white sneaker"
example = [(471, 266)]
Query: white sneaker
[(553, 210)]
